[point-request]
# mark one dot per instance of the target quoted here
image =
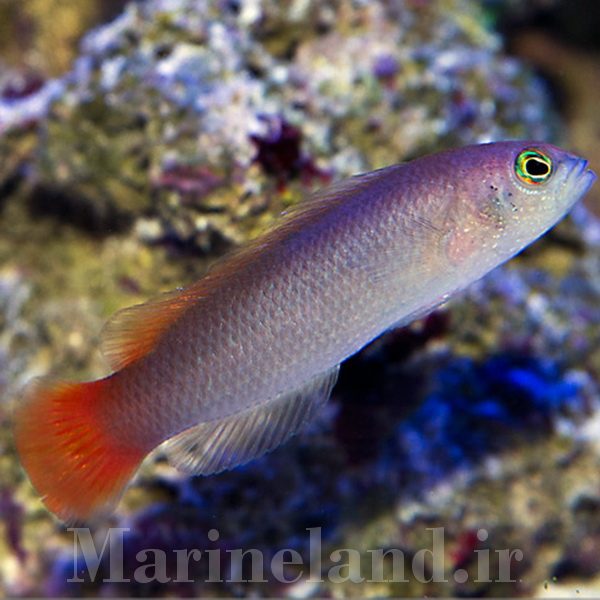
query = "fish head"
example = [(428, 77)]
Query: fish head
[(510, 193)]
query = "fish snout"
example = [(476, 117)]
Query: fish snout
[(579, 176)]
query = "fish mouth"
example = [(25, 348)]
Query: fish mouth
[(579, 178)]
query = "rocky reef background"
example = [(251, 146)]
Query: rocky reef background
[(141, 141)]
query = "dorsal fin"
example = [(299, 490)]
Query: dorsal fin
[(133, 332)]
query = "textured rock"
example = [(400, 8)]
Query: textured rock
[(205, 119)]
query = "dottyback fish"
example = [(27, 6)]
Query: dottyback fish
[(231, 366)]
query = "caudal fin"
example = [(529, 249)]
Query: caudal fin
[(77, 466)]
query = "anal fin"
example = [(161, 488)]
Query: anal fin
[(219, 445)]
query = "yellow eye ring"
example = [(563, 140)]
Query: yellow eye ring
[(533, 166)]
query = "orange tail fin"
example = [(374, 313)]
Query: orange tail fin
[(72, 460)]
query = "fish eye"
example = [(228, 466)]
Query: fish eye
[(533, 166)]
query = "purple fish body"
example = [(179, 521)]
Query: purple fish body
[(231, 366)]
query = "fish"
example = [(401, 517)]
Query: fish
[(226, 369)]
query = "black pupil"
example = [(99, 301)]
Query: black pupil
[(537, 167)]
